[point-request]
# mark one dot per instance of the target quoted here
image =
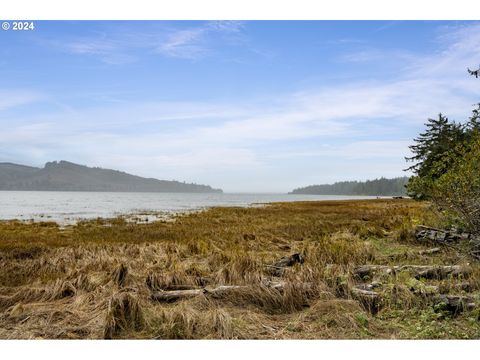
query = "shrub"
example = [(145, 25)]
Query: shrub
[(457, 192)]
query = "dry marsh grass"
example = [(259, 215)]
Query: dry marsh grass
[(95, 279)]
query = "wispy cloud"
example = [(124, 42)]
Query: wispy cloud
[(186, 44), (92, 46), (388, 25), (358, 150), (193, 43), (227, 26), (13, 98), (341, 129), (119, 46), (364, 55), (459, 48)]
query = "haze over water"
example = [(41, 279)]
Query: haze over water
[(68, 207)]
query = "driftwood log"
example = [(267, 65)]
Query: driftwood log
[(419, 271), (439, 272), (370, 300), (174, 295), (430, 234), (363, 293), (450, 238), (429, 251), (369, 287), (369, 270), (219, 291), (455, 303)]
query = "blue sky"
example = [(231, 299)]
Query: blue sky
[(244, 106)]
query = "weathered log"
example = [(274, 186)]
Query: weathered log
[(369, 287), (430, 228), (455, 303), (219, 291), (449, 237), (429, 251), (174, 295), (436, 272), (429, 234), (370, 300), (223, 290), (419, 271), (368, 270), (277, 285)]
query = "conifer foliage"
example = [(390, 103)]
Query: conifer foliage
[(446, 168)]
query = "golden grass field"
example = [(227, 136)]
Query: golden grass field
[(94, 280)]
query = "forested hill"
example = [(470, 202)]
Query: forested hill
[(377, 187), (67, 176)]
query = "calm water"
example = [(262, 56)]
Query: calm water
[(67, 207)]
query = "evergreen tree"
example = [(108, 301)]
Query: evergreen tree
[(431, 146), (473, 123), (432, 154)]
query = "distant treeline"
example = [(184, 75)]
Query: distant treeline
[(377, 187), (67, 176)]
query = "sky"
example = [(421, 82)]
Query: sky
[(253, 106)]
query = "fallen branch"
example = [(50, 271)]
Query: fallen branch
[(419, 271), (278, 268)]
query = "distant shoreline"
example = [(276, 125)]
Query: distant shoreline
[(69, 208)]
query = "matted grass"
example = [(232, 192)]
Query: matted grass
[(94, 280)]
